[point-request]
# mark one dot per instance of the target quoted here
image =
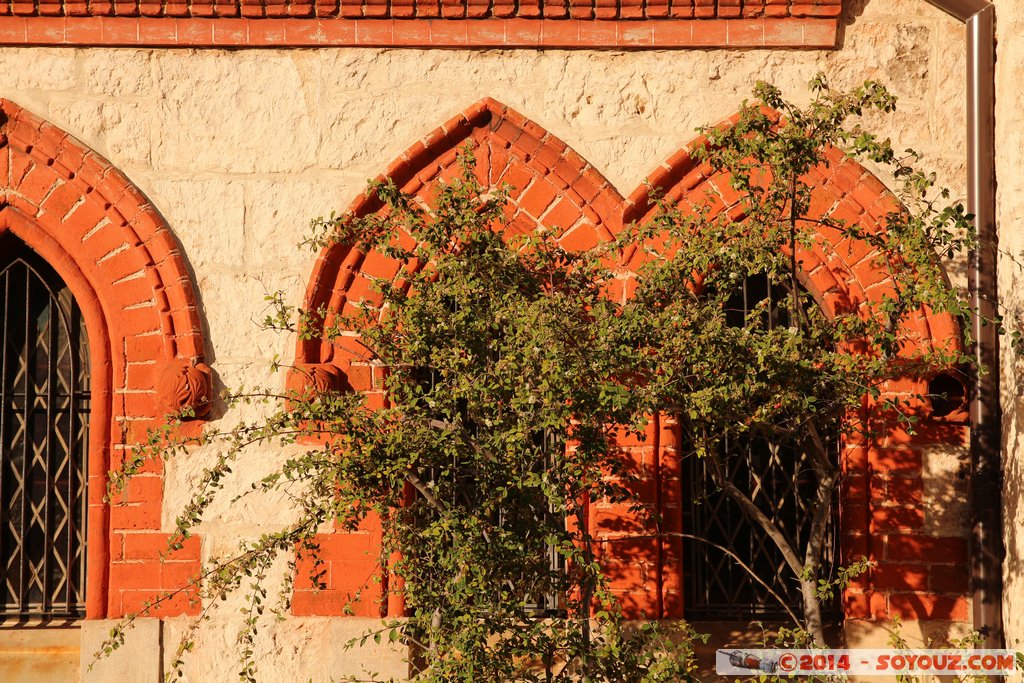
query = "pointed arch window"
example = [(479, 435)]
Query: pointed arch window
[(44, 421)]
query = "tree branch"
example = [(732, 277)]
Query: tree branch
[(755, 513), (736, 558), (433, 501)]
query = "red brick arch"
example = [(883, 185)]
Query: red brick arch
[(841, 273), (126, 270), (882, 489), (552, 186)]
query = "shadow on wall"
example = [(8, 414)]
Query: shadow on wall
[(852, 10), (1013, 472)]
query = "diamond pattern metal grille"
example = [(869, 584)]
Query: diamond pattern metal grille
[(779, 481), (44, 416)]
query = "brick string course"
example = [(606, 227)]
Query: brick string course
[(622, 24), (427, 9)]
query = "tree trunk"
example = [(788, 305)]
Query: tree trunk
[(806, 571), (828, 476), (812, 608)]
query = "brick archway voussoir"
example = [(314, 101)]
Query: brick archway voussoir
[(127, 270), (842, 274), (550, 185), (118, 238)]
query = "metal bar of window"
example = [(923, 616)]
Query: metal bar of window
[(548, 604), (25, 442), (53, 332), (75, 447), (774, 475), (5, 428), (42, 516)]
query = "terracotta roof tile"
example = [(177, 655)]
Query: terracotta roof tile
[(631, 10)]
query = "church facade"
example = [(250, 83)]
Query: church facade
[(160, 162)]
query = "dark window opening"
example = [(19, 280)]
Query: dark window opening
[(947, 394), (44, 421), (458, 484), (781, 482)]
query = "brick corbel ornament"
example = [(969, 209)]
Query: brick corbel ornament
[(127, 273), (881, 512), (314, 378), (307, 380)]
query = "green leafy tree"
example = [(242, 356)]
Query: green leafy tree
[(791, 375), (510, 372)]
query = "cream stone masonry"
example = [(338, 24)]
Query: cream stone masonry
[(945, 473), (1009, 218), (40, 655), (240, 149), (135, 663)]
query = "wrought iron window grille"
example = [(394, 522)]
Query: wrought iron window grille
[(779, 480), (460, 488), (44, 431)]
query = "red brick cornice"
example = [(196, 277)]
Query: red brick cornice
[(622, 24), (429, 9)]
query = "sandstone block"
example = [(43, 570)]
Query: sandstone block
[(208, 218), (136, 661), (116, 73), (241, 112)]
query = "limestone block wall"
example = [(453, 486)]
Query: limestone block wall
[(1010, 212), (238, 150)]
